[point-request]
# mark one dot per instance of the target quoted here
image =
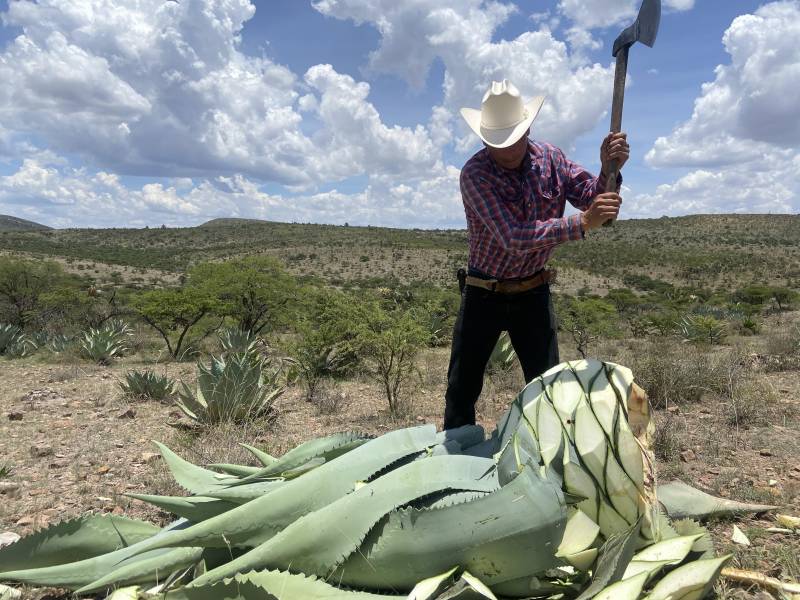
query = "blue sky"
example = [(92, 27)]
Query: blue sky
[(148, 112)]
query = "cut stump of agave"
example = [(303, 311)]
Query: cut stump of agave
[(579, 533), (430, 587), (691, 581)]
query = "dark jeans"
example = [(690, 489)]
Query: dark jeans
[(530, 321)]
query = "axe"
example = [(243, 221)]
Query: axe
[(644, 30)]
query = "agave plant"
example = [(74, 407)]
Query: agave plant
[(503, 354), (14, 343), (702, 328), (235, 388), (60, 343), (559, 502), (147, 384), (235, 340), (102, 345)]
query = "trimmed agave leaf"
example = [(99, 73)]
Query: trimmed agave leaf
[(264, 458), (627, 589), (583, 560), (192, 508), (621, 491), (654, 558), (549, 432), (683, 501), (312, 546), (128, 593), (614, 557), (430, 587), (476, 585), (788, 521), (257, 521), (579, 534), (691, 581), (484, 536), (738, 537), (610, 521), (704, 545), (140, 570), (578, 482), (78, 539)]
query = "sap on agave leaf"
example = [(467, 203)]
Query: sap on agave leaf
[(559, 500)]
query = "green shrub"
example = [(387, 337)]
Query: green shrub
[(147, 384), (236, 388)]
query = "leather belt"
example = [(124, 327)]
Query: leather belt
[(512, 286)]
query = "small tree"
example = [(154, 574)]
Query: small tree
[(253, 291), (391, 343), (586, 319), (22, 285), (173, 313)]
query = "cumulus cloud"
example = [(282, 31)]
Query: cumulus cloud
[(460, 33), (745, 126), (751, 106), (162, 89), (55, 194)]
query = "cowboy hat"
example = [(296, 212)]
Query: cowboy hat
[(503, 118)]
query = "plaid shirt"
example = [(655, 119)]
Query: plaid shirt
[(516, 217)]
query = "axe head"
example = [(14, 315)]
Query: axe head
[(644, 29)]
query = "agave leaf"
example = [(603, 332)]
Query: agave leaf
[(264, 458), (583, 560), (704, 545), (128, 593), (654, 558), (752, 578), (78, 539), (315, 462), (788, 521), (241, 494), (476, 585), (190, 477), (235, 470), (73, 575), (612, 561), (328, 447), (484, 536), (193, 508), (139, 570), (691, 581), (313, 546), (628, 589), (738, 537), (257, 521), (683, 501)]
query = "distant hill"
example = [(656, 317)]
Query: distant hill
[(9, 223), (227, 222)]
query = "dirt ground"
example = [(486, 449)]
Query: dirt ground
[(75, 444)]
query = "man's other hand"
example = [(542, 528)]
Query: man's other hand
[(604, 207), (614, 147)]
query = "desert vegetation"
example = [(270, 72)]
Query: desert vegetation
[(271, 334)]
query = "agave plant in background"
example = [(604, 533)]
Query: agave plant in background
[(703, 329), (503, 354), (147, 384), (235, 340), (559, 502), (102, 345), (235, 388), (59, 342), (14, 343)]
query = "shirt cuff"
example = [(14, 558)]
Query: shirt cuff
[(574, 229)]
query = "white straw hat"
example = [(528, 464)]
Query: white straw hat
[(503, 118)]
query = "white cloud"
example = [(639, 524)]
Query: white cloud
[(751, 106), (460, 33), (58, 195), (745, 125)]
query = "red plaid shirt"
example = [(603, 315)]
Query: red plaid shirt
[(516, 217)]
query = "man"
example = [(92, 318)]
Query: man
[(514, 192)]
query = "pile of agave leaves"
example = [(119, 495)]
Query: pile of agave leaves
[(559, 502)]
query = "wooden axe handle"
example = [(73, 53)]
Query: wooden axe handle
[(620, 73)]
